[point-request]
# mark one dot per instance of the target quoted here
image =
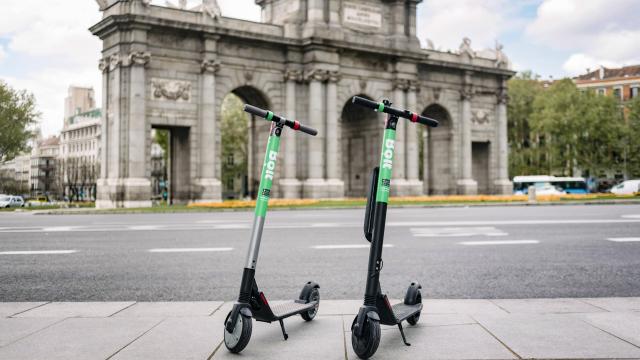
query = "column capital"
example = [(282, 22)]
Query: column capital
[(400, 84), (414, 85), (316, 75), (210, 66), (467, 93), (103, 65), (293, 75), (334, 76), (138, 58), (502, 96), (114, 61)]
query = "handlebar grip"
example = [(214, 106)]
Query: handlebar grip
[(255, 110), (427, 121), (366, 102), (305, 129)]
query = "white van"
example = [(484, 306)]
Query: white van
[(627, 187)]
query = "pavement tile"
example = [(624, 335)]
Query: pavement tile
[(555, 336), (78, 338), (339, 307), (321, 338), (460, 306), (170, 309), (615, 304), (76, 309), (545, 306), (177, 338), (623, 325), (12, 329), (437, 342), (12, 308)]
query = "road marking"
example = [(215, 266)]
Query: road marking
[(173, 250), (350, 246), (38, 252), (499, 242), (633, 216), (511, 222), (624, 239), (457, 231), (144, 227), (57, 228)]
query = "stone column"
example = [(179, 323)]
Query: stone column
[(399, 177), (413, 131), (315, 185), (207, 186), (466, 184), (137, 184), (335, 183), (290, 185), (101, 182), (502, 183)]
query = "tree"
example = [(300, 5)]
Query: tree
[(234, 129), (17, 114), (633, 138), (523, 89)]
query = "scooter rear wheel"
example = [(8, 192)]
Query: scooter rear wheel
[(314, 295), (367, 344), (237, 340)]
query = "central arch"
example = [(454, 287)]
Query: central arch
[(438, 176), (361, 138)]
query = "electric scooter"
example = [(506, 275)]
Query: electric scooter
[(252, 303), (365, 329)]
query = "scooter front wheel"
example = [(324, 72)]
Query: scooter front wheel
[(314, 295), (366, 344), (237, 340)]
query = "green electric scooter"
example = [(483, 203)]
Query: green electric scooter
[(252, 303), (376, 310)]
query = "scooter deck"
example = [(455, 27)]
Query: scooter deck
[(290, 308), (403, 311)]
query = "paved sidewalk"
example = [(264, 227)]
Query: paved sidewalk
[(453, 329)]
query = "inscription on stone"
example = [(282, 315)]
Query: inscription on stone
[(361, 15)]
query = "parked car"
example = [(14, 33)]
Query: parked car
[(543, 188), (9, 201), (627, 187)]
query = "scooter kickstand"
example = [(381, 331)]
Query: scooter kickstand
[(404, 339), (284, 333)]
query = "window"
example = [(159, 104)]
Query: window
[(602, 91), (230, 159), (617, 93), (634, 92)]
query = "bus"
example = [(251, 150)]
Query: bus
[(570, 185)]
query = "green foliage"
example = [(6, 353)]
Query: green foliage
[(17, 114), (560, 128), (161, 137), (234, 131), (633, 138)]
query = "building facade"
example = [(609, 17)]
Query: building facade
[(44, 178), (622, 83), (171, 67)]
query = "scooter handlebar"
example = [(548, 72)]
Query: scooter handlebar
[(293, 124), (381, 107)]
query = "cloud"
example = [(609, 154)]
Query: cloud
[(239, 9), (3, 53), (446, 22), (580, 63), (595, 31)]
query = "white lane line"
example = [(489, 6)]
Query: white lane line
[(624, 239), (499, 242), (350, 246), (173, 250), (633, 216), (511, 222), (457, 231), (144, 227), (38, 252), (57, 228)]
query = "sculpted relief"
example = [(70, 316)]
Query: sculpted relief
[(173, 90)]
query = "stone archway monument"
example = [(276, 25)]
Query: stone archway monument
[(170, 67)]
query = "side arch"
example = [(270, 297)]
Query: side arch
[(436, 152)]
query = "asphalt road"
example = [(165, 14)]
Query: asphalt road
[(474, 252)]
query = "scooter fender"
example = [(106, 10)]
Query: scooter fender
[(412, 292), (307, 289), (363, 313), (233, 316)]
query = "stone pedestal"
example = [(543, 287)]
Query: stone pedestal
[(206, 190), (467, 187), (503, 187), (315, 189), (335, 188), (128, 193), (290, 188)]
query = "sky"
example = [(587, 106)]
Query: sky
[(45, 45)]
